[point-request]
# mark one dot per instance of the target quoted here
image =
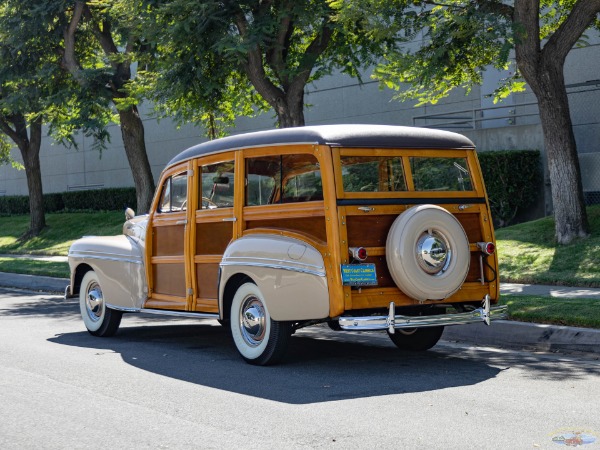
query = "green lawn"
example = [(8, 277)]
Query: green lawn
[(61, 231), (528, 253)]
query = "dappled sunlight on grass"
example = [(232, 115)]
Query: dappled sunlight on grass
[(528, 253)]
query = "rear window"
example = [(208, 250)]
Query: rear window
[(440, 174), (376, 174), (372, 174)]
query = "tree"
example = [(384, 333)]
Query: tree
[(116, 31), (461, 38), (277, 46), (34, 91)]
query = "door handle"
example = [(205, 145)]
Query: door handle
[(181, 222), (229, 219)]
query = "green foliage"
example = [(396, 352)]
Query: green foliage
[(513, 181), (219, 60), (113, 199)]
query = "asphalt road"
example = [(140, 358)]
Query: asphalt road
[(181, 384)]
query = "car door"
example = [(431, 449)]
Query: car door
[(168, 276), (214, 226)]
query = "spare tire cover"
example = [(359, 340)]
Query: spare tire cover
[(427, 253)]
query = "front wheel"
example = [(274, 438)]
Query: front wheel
[(259, 339), (416, 339), (99, 319)]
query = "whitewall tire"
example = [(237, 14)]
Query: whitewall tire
[(97, 317), (259, 339)]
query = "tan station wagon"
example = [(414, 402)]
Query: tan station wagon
[(361, 227)]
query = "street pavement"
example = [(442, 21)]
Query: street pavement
[(502, 333)]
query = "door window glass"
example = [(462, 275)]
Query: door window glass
[(283, 179), (217, 185)]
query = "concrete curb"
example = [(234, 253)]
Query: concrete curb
[(33, 282), (527, 335)]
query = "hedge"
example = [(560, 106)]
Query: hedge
[(513, 179), (113, 199)]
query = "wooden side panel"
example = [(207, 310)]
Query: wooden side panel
[(312, 226), (470, 223), (212, 238), (169, 279), (168, 240), (369, 230), (207, 276)]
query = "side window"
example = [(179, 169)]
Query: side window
[(283, 179), (217, 185), (372, 174), (174, 194)]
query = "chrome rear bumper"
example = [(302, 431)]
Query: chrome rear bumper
[(485, 313)]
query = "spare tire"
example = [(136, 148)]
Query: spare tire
[(427, 253)]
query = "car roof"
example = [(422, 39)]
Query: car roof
[(351, 135)]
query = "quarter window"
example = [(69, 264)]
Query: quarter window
[(174, 194)]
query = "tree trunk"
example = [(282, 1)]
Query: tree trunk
[(132, 131), (30, 151), (290, 110), (563, 163)]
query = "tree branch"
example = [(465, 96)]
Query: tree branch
[(559, 45), (17, 134), (69, 61)]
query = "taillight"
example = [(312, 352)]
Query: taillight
[(358, 253), (486, 247)]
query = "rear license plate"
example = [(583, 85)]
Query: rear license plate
[(359, 275)]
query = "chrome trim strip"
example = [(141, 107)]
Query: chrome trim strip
[(274, 266), (385, 322), (113, 257), (231, 259), (160, 312)]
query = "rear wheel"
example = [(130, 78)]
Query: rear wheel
[(416, 339), (259, 339), (99, 319)]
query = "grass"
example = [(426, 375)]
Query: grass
[(61, 231), (578, 312), (529, 254), (34, 267)]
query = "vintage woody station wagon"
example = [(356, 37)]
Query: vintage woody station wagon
[(361, 227)]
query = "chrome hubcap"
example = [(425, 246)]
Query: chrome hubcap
[(94, 302), (433, 252), (253, 321)]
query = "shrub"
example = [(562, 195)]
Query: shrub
[(513, 179), (113, 199)]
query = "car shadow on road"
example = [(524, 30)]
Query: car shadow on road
[(316, 368)]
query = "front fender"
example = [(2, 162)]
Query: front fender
[(290, 274), (119, 263)]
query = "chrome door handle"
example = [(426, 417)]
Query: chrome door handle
[(229, 219)]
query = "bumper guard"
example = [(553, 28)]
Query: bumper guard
[(485, 313)]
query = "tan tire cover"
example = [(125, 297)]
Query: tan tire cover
[(402, 252)]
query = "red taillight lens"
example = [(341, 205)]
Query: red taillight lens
[(487, 247), (359, 253)]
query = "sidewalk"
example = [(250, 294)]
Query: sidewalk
[(500, 333)]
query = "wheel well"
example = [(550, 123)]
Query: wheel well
[(80, 272), (231, 287)]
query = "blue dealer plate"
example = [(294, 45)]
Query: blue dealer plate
[(359, 275)]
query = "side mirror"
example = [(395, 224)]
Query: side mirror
[(129, 214)]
